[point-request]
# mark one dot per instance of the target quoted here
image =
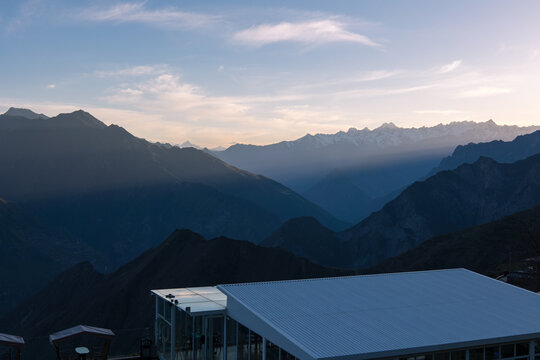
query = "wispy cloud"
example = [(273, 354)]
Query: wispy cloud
[(166, 92), (308, 32), (450, 67), (139, 70), (51, 86), (139, 13), (485, 91)]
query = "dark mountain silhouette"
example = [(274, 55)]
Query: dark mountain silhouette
[(32, 255), (449, 201), (502, 151), (25, 113), (111, 188), (481, 248), (121, 300)]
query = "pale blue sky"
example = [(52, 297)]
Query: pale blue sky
[(220, 72)]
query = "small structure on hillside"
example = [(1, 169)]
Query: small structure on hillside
[(68, 348), (12, 345)]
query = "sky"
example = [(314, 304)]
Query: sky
[(223, 72)]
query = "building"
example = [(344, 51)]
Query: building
[(430, 315)]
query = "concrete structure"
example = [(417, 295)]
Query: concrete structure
[(429, 315)]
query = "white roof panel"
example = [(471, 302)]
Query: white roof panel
[(200, 300), (360, 317)]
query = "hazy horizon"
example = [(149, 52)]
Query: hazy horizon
[(220, 73)]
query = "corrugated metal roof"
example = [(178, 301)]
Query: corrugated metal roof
[(200, 300), (382, 315)]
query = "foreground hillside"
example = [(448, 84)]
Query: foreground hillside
[(122, 194), (32, 254), (481, 248), (121, 300), (449, 201)]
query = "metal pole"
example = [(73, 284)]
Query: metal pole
[(225, 342), (264, 348), (531, 350), (203, 336), (173, 332), (156, 324), (193, 338)]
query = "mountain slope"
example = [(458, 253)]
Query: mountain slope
[(32, 254), (306, 237), (444, 203), (449, 201), (502, 151), (480, 248), (378, 162), (73, 167), (121, 300)]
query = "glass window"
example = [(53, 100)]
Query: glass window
[(163, 337), (507, 351), (231, 339), (459, 355), (537, 347), (286, 356), (522, 349), (243, 342), (441, 356), (167, 311), (272, 351), (198, 338), (161, 306), (184, 335), (492, 353), (476, 354), (213, 336), (255, 346)]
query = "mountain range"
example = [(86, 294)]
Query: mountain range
[(121, 194), (451, 200), (121, 300), (373, 165), (502, 151)]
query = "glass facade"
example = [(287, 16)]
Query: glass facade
[(180, 336), (208, 337), (515, 351)]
